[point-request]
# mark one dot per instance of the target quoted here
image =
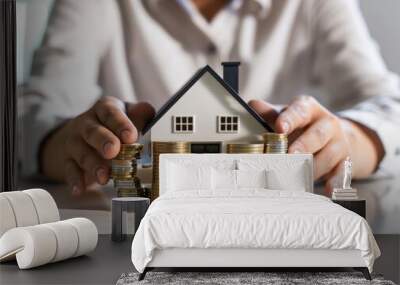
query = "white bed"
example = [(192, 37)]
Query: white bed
[(217, 224)]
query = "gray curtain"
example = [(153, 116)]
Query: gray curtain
[(8, 98)]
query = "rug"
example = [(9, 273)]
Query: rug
[(243, 278)]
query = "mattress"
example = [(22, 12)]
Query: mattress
[(250, 219)]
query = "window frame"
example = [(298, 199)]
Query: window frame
[(181, 122), (228, 124)]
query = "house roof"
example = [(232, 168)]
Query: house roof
[(164, 109)]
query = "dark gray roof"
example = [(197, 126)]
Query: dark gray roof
[(189, 84)]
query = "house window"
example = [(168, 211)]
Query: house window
[(228, 124), (183, 124)]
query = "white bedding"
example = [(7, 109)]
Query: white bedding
[(251, 218)]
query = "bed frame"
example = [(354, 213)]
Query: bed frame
[(234, 259), (250, 259)]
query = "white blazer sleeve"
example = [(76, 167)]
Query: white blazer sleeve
[(348, 62)]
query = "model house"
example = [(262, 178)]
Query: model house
[(208, 112)]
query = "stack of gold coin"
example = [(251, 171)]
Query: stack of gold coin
[(245, 148), (124, 170), (275, 143), (160, 148)]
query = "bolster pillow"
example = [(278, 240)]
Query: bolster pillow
[(40, 244), (26, 208)]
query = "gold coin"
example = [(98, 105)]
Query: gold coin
[(250, 148), (245, 148), (275, 143), (274, 137), (127, 192), (123, 168), (117, 162), (124, 183), (121, 176), (135, 147), (122, 156), (129, 151)]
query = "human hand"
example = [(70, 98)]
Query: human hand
[(314, 129), (87, 142)]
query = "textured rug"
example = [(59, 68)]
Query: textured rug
[(233, 278)]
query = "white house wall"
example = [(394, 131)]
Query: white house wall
[(206, 100)]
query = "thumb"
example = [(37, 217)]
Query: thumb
[(266, 110), (140, 114), (333, 179), (328, 189)]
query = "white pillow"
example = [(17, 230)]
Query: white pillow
[(224, 179), (294, 180), (285, 173), (251, 178), (188, 177)]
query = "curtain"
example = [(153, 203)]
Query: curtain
[(8, 98)]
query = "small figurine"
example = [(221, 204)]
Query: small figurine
[(347, 172), (345, 191)]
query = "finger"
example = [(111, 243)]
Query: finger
[(332, 179), (88, 160), (89, 181), (100, 138), (265, 110), (314, 138), (327, 159), (140, 114), (299, 114), (111, 113), (74, 177)]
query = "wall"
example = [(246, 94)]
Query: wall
[(383, 19)]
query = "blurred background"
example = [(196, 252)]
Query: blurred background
[(382, 194), (383, 19)]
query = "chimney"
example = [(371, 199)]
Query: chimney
[(231, 74)]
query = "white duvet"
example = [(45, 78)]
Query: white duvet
[(250, 219)]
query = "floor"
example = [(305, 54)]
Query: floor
[(110, 260), (103, 266), (389, 262)]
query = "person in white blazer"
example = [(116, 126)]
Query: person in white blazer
[(98, 55)]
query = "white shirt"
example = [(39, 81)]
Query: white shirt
[(145, 51)]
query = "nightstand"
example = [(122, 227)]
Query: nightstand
[(356, 206), (137, 205)]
